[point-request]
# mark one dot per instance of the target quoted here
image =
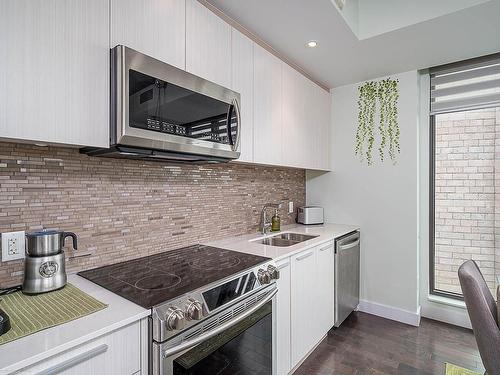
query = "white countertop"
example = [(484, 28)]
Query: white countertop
[(246, 244), (31, 349), (120, 312)]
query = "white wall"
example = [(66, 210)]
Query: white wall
[(382, 199)]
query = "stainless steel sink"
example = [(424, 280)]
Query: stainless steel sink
[(285, 239), (296, 237)]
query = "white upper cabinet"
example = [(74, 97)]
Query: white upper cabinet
[(306, 121), (267, 108), (54, 76), (154, 27), (321, 135), (242, 82), (208, 44), (55, 64), (297, 102)]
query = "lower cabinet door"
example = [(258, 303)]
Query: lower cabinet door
[(117, 353), (324, 289), (304, 325), (283, 360)]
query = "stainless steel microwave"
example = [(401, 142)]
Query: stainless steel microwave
[(159, 111)]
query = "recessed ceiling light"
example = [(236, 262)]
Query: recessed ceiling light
[(312, 44)]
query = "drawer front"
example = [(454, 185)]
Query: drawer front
[(117, 353)]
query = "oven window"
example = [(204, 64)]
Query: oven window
[(229, 291), (244, 349), (163, 107)]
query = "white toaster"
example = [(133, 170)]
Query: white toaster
[(310, 215)]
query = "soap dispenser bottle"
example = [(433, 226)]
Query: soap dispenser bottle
[(276, 222)]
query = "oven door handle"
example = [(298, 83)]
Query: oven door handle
[(189, 344)]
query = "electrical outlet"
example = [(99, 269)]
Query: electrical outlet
[(290, 207), (13, 246)]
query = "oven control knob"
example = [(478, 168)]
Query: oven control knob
[(194, 309), (263, 276), (175, 319), (274, 272)]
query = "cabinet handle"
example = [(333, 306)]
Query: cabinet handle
[(326, 247), (284, 265), (77, 359), (304, 256)]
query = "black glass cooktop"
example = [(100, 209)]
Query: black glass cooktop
[(159, 278)]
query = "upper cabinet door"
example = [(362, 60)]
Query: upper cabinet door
[(322, 120), (306, 122), (208, 44), (267, 108), (297, 103), (154, 27), (242, 82), (54, 76)]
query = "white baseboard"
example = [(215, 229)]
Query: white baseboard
[(389, 312)]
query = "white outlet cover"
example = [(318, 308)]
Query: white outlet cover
[(16, 242), (290, 207)]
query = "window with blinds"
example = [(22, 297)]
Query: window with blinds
[(466, 85), (464, 173)]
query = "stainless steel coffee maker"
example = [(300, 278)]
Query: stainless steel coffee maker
[(44, 266)]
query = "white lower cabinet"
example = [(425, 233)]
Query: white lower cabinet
[(117, 353), (310, 286), (324, 290), (303, 304), (283, 360)]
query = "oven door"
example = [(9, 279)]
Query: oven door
[(157, 106), (244, 344)]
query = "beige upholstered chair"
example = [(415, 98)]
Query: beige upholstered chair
[(482, 310)]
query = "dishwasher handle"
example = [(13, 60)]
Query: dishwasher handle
[(349, 245), (348, 242)]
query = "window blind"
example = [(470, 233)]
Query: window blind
[(466, 85)]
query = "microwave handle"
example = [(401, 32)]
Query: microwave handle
[(189, 344), (236, 108)]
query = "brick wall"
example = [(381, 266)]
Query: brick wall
[(465, 194), (123, 209)]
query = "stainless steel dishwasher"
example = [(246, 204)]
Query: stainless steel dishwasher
[(346, 275)]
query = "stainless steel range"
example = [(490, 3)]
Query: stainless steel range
[(211, 309)]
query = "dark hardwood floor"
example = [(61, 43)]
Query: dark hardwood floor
[(367, 344)]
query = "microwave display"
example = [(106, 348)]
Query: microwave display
[(163, 107)]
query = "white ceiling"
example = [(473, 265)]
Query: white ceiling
[(342, 58), (369, 18)]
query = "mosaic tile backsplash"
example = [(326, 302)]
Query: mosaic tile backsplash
[(125, 209)]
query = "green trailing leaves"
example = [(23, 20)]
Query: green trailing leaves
[(386, 93)]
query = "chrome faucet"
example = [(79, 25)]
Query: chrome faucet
[(265, 225)]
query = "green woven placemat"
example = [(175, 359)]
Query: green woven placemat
[(452, 369), (30, 314)]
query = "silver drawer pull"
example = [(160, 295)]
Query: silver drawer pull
[(326, 247), (77, 359), (304, 256), (284, 265)]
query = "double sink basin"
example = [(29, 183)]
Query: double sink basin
[(285, 239)]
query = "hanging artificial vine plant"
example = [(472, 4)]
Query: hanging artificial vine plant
[(387, 94), (366, 120)]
